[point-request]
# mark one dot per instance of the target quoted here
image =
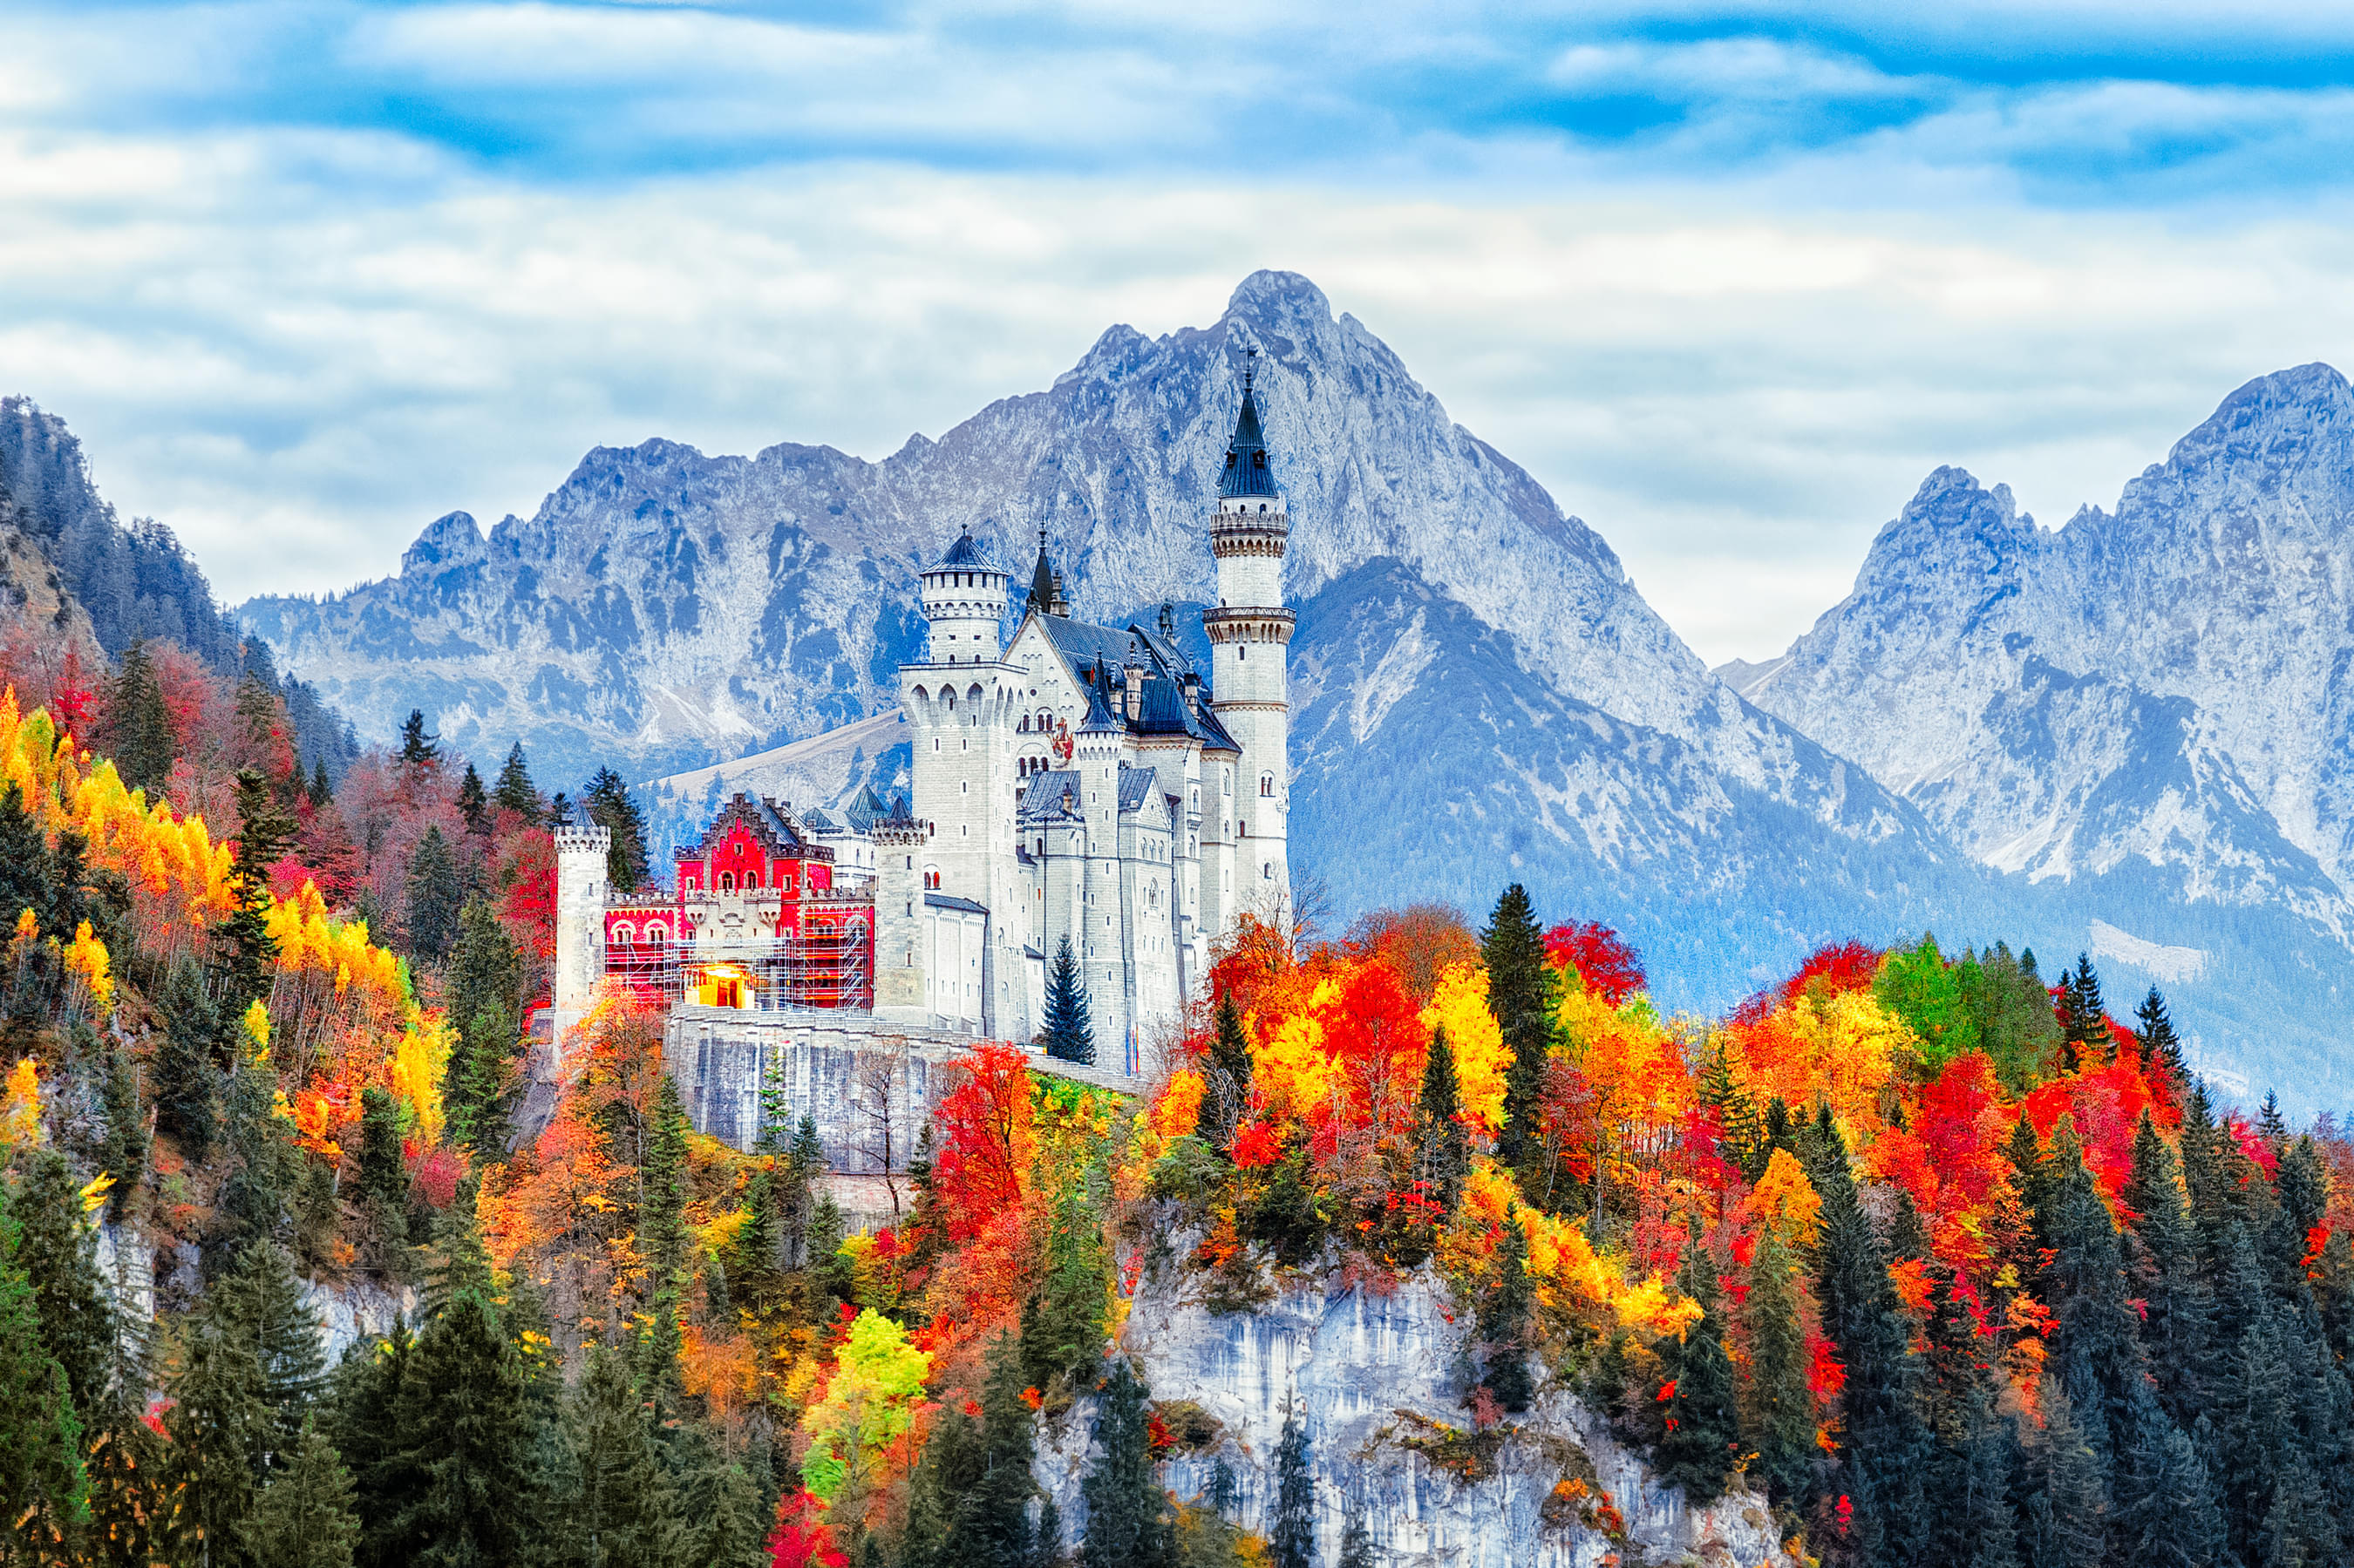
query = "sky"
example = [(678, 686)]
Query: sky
[(1728, 279)]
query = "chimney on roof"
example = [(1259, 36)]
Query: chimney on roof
[(1135, 676)]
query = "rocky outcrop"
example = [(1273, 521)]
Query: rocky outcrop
[(1377, 1380)]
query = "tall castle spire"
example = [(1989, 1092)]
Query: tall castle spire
[(1248, 470)]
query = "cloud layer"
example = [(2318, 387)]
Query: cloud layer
[(305, 276)]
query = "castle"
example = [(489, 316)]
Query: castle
[(1074, 782)]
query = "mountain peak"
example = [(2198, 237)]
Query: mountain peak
[(451, 539), (1268, 295)]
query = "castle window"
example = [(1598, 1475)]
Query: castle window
[(1267, 785), (657, 936), (620, 936), (1267, 870), (752, 879), (727, 881), (931, 880)]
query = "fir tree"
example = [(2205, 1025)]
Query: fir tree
[(1356, 1541), (1738, 1123), (482, 994), (514, 791), (307, 1518), (625, 1516), (186, 1082), (1503, 1319), (1445, 1148), (435, 894), (221, 1431), (2160, 1048), (2064, 1502), (2086, 1040), (474, 801), (123, 1155), (1520, 989), (1230, 1072), (1291, 1531), (2096, 1352), (1702, 1436), (57, 1251), (264, 1165), (261, 1300), (991, 1526), (661, 1235), (1063, 1321), (418, 751), (1128, 1513), (144, 746), (26, 877), (244, 946), (322, 791), (1886, 1446), (2007, 998), (609, 806), (44, 1497), (482, 1101), (2166, 1513), (1778, 1407), (1978, 1525), (1069, 1034), (947, 1475)]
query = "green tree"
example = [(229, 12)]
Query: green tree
[(1703, 1437), (187, 1081), (609, 806), (474, 801), (123, 1155), (435, 894), (1229, 1075), (418, 750), (1443, 1148), (1917, 985), (264, 1166), (2084, 1037), (261, 1300), (2063, 1508), (57, 1251), (2161, 1047), (2166, 1513), (44, 1497), (514, 791), (991, 1528), (2012, 1010), (1063, 1321), (2163, 1271), (243, 947), (308, 1517), (27, 876), (2096, 1351), (1776, 1406), (1069, 1034), (322, 791), (483, 992), (1129, 1523), (661, 1237), (1886, 1447), (221, 1431), (1504, 1319), (1521, 993), (1291, 1529), (626, 1516), (144, 746)]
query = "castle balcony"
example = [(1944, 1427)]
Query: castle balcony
[(1249, 533), (1264, 624)]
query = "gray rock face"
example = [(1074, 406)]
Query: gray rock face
[(2159, 699), (1362, 1369)]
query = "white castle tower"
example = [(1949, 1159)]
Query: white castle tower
[(1250, 634), (580, 876)]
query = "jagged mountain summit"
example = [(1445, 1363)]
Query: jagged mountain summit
[(679, 609), (2151, 708)]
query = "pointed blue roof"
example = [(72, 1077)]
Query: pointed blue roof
[(969, 553), (1248, 470), (1099, 712)]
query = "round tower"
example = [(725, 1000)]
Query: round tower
[(580, 879), (964, 601), (1250, 634)]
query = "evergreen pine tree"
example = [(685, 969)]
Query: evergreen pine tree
[(661, 1237), (1738, 1122), (123, 1155), (474, 801), (243, 946), (1778, 1407), (2085, 1031), (187, 1081), (1977, 1524), (609, 806), (626, 1514), (1128, 1512), (436, 891), (418, 750), (514, 791), (144, 746), (2096, 1351), (991, 1528), (322, 791), (263, 1163), (1520, 995), (2162, 1269), (2161, 1049), (2166, 1513), (262, 1301), (947, 1475), (454, 1478), (57, 1251), (26, 877), (2065, 1498), (1702, 1436), (482, 993), (44, 1496), (1445, 1148), (1291, 1531), (1230, 1072), (1502, 1323), (307, 1518), (1063, 1321), (1356, 1541), (221, 1431), (1886, 1446), (1069, 1034)]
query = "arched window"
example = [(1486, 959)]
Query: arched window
[(657, 934), (1267, 870), (1267, 785), (752, 877), (620, 936), (727, 881)]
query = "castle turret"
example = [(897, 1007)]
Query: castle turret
[(899, 954), (1250, 633), (964, 601), (580, 881)]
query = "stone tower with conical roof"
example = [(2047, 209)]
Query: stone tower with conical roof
[(1250, 634)]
